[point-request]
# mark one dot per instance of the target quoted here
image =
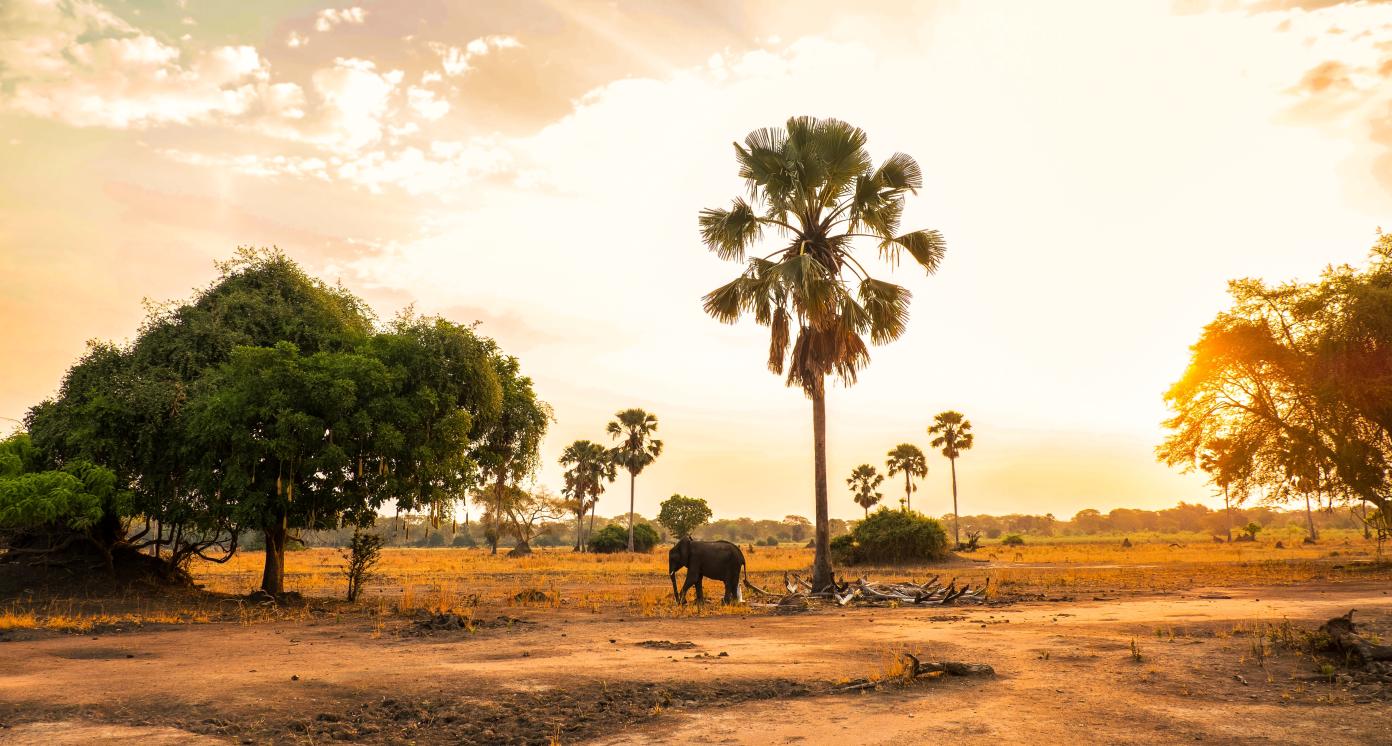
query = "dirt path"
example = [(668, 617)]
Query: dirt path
[(1065, 673)]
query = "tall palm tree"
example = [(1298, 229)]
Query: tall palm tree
[(864, 479), (907, 459), (591, 464), (954, 435), (636, 449), (812, 183)]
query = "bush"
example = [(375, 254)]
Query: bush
[(770, 542), (614, 538), (362, 555), (1014, 540), (436, 539), (891, 537), (463, 539)]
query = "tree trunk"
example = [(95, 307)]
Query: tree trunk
[(580, 525), (908, 490), (273, 576), (594, 506), (821, 563), (631, 479), (956, 537), (1227, 506), (1310, 518)]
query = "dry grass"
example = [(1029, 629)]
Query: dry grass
[(459, 580)]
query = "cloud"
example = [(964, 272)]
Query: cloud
[(426, 103), (296, 40), (331, 17), (456, 61), (82, 65)]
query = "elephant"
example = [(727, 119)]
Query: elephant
[(717, 560)]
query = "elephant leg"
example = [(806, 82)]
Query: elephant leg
[(700, 587), (691, 579)]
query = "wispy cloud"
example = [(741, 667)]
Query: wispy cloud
[(457, 61), (327, 19)]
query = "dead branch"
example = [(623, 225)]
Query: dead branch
[(1344, 637)]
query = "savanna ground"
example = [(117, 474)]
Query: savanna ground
[(1173, 639)]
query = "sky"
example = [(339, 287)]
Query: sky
[(1100, 170)]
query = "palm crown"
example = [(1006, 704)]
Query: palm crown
[(637, 448), (863, 481), (953, 433), (590, 466), (814, 184), (907, 459)]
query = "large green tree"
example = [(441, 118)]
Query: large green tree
[(907, 459), (271, 402), (812, 184), (1295, 376), (637, 448), (682, 515), (952, 433)]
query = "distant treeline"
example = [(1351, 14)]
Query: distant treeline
[(418, 531), (1183, 517)]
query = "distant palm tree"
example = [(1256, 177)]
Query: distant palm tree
[(954, 435), (812, 182), (864, 479), (637, 448), (906, 458), (591, 464)]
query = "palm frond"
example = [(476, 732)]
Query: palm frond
[(778, 339), (927, 247), (726, 302), (887, 306), (899, 172), (729, 232)]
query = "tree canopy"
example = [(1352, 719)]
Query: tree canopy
[(1290, 384), (272, 401), (682, 515)]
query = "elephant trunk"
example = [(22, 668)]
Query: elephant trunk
[(675, 597)]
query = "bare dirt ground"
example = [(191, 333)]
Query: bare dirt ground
[(1067, 671)]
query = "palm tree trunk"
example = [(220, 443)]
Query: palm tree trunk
[(821, 563), (956, 537), (579, 525), (908, 490), (631, 479), (593, 507)]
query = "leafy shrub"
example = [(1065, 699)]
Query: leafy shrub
[(435, 539), (1014, 540), (362, 554), (463, 539), (614, 538), (770, 542), (891, 537)]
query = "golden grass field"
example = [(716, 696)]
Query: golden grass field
[(449, 579)]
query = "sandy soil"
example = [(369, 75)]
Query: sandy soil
[(1065, 672)]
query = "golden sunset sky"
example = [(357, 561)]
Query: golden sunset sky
[(1099, 170)]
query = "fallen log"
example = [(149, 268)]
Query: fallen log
[(914, 668), (1343, 636)]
